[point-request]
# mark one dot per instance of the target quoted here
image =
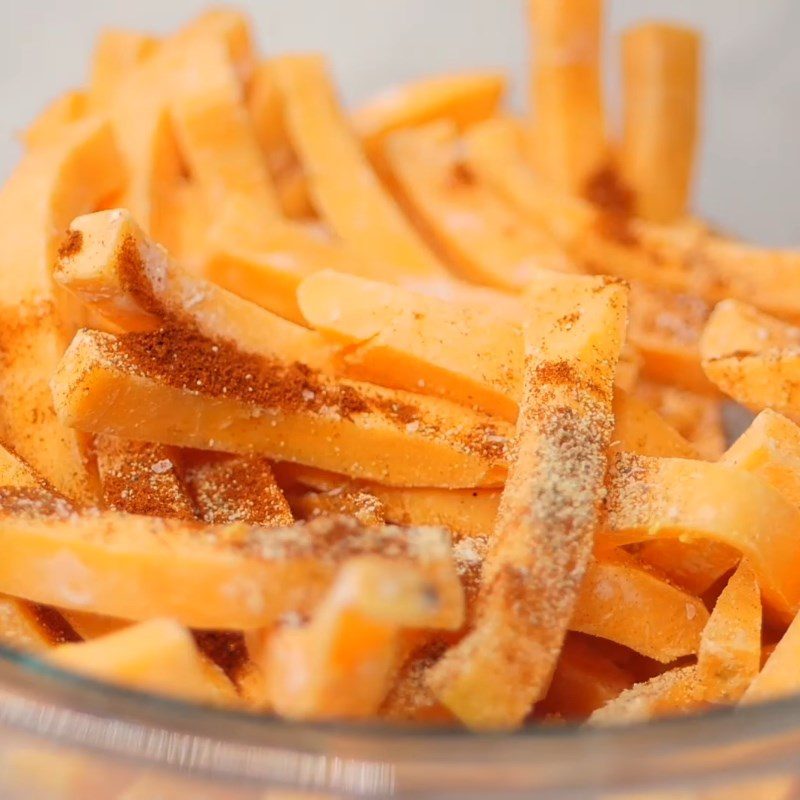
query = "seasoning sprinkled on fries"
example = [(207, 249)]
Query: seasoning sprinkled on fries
[(411, 412)]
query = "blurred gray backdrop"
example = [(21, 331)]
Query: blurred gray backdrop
[(751, 149)]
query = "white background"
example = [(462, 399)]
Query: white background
[(751, 150)]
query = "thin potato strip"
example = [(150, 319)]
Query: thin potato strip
[(341, 664), (661, 70), (485, 240), (116, 54), (729, 657), (51, 185), (346, 191), (232, 577), (550, 506), (673, 498), (568, 125), (753, 358), (460, 98), (157, 656)]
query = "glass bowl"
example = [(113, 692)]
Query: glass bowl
[(66, 737)]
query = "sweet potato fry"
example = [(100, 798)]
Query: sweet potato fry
[(661, 71), (729, 657), (360, 505), (584, 680), (569, 124), (52, 184), (208, 577), (217, 138), (229, 489), (770, 448), (345, 190), (675, 498), (684, 258), (675, 691), (779, 676), (141, 478), (403, 339), (340, 665), (92, 626), (549, 510), (697, 417), (156, 656), (483, 239), (116, 53), (103, 385), (753, 358), (622, 602), (308, 402), (51, 124), (460, 98)]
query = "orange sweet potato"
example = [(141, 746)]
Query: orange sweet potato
[(549, 510), (55, 120), (116, 53), (345, 190), (484, 240), (460, 98), (156, 656), (341, 663), (661, 69), (569, 122), (675, 498), (753, 357)]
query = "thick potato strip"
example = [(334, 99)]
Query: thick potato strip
[(770, 448), (341, 664), (362, 506), (461, 99), (157, 656), (753, 358), (116, 54), (141, 478), (673, 498), (209, 577), (621, 602), (569, 128), (346, 191), (640, 429), (661, 70), (51, 184), (485, 240), (550, 506), (729, 657)]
